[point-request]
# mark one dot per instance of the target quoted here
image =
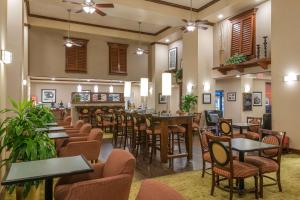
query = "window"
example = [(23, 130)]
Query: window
[(76, 57), (243, 33), (117, 58)]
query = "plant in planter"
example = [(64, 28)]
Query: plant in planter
[(236, 59), (178, 75), (41, 115), (188, 101), (20, 138)]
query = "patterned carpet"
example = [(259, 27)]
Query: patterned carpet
[(192, 186)]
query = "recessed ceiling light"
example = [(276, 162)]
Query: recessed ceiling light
[(220, 16), (167, 40), (238, 76), (88, 80)]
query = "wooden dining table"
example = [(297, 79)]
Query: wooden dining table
[(165, 121)]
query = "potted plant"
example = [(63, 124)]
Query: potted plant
[(188, 102), (178, 75), (22, 141), (236, 59)]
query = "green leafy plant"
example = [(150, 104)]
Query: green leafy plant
[(236, 59), (20, 138), (178, 75), (188, 101), (41, 115)]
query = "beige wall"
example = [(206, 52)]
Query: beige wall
[(47, 56), (263, 27), (285, 59)]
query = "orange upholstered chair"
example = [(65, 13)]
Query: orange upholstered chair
[(66, 122), (155, 190), (110, 180), (76, 126), (88, 146), (83, 131), (252, 132)]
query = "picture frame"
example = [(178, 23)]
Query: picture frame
[(114, 97), (206, 98), (85, 96), (173, 58), (162, 99), (257, 98), (247, 101), (48, 95), (231, 96)]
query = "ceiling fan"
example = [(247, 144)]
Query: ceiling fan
[(68, 41), (89, 6), (191, 25), (140, 51)]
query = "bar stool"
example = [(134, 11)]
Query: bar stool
[(85, 115), (139, 131)]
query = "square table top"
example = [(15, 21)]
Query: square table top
[(242, 124), (168, 116), (51, 128), (49, 168), (247, 145), (52, 124), (58, 135)]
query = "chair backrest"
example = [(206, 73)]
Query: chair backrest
[(119, 162), (152, 189), (85, 129), (221, 152), (203, 140), (95, 134), (148, 120), (225, 126), (212, 117), (68, 120), (79, 124), (254, 120), (84, 111)]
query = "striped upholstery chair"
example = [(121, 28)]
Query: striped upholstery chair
[(252, 132), (223, 164), (204, 150), (269, 160), (225, 128)]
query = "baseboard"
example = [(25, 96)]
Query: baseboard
[(295, 151)]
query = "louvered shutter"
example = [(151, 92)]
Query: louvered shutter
[(243, 34), (76, 57), (118, 58)]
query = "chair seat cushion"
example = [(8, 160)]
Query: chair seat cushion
[(265, 165), (61, 191), (206, 157), (156, 131), (240, 170), (252, 135)]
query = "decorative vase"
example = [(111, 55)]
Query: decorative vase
[(34, 193), (221, 57)]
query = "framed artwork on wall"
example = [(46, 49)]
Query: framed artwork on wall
[(231, 96), (162, 99), (257, 98), (48, 95), (206, 98), (247, 101), (173, 58)]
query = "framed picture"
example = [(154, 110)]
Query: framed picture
[(267, 101), (49, 95), (85, 96), (247, 101), (206, 98), (114, 98), (162, 99), (231, 96), (257, 98), (173, 58)]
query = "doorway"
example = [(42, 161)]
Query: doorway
[(219, 100)]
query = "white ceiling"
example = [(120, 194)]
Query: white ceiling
[(196, 3)]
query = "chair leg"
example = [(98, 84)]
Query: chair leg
[(212, 184), (279, 180), (261, 186), (256, 186), (178, 142), (203, 168), (231, 188)]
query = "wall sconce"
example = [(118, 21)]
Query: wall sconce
[(144, 87), (79, 88), (206, 87), (24, 82), (111, 89), (166, 84), (6, 57), (189, 88), (96, 89), (127, 89), (247, 88), (291, 77), (151, 90)]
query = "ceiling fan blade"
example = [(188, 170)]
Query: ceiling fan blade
[(104, 5), (79, 11), (182, 28), (202, 21), (203, 27), (185, 21), (72, 2), (100, 12)]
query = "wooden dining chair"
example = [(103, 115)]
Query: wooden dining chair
[(138, 133), (252, 132), (225, 166), (225, 128), (269, 160), (206, 158)]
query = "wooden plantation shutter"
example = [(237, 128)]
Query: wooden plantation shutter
[(76, 57), (243, 33), (117, 58)]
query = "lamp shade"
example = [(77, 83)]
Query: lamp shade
[(166, 84), (127, 89), (111, 89), (96, 88), (79, 88), (144, 87)]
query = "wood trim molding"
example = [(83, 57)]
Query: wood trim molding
[(161, 43), (295, 151), (184, 7)]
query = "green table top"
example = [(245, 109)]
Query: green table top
[(43, 169), (52, 124), (51, 129), (247, 145), (58, 135)]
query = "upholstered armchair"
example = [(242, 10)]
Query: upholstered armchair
[(88, 146), (109, 181), (66, 122), (154, 190), (83, 131), (76, 126)]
